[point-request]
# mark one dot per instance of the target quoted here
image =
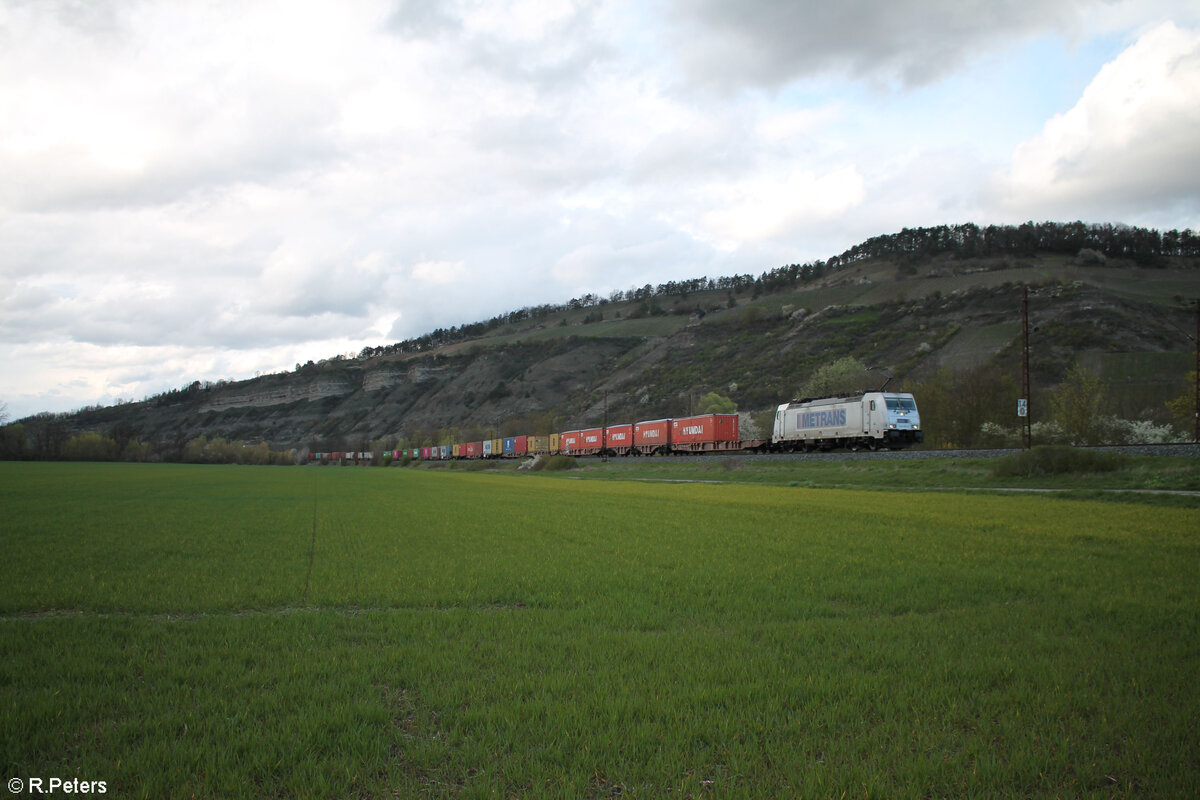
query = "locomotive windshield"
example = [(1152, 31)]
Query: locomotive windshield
[(901, 404)]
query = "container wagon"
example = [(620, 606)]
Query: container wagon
[(705, 433), (618, 440), (652, 437)]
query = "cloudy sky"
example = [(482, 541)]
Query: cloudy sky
[(210, 189)]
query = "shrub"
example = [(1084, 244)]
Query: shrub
[(1057, 460), (993, 434), (90, 446), (1123, 431), (713, 403), (1048, 433), (556, 463), (137, 451)]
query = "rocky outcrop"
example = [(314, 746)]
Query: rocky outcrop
[(254, 394)]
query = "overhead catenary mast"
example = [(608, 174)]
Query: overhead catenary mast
[(1023, 403)]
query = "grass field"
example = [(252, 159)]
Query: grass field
[(1178, 478), (180, 631)]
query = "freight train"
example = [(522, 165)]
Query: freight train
[(872, 420)]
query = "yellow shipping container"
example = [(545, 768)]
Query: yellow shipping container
[(497, 448), (538, 445), (454, 450), (554, 442)]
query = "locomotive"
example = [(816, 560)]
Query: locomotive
[(871, 420)]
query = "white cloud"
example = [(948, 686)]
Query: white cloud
[(768, 206), (789, 125), (1130, 142), (441, 273)]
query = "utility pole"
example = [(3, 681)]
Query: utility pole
[(1197, 434), (1023, 403), (604, 433)]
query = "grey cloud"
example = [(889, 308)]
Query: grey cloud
[(768, 43), (268, 151), (334, 290), (97, 18), (680, 156), (559, 61), (194, 313), (425, 19), (549, 67), (199, 327), (542, 152)]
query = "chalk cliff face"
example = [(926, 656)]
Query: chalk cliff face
[(570, 372), (343, 403), (259, 394)]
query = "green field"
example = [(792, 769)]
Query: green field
[(193, 631), (1149, 480)]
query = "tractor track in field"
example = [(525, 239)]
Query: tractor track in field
[(1006, 489), (276, 611)]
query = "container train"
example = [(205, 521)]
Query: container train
[(872, 420)]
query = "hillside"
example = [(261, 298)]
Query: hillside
[(921, 317), (1125, 322)]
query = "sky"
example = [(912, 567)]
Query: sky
[(213, 189)]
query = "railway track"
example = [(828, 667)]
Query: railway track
[(1186, 449)]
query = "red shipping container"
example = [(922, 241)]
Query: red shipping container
[(705, 432), (649, 436), (570, 442), (471, 450), (593, 441), (620, 438), (426, 453)]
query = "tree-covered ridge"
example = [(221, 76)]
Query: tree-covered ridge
[(1144, 246)]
